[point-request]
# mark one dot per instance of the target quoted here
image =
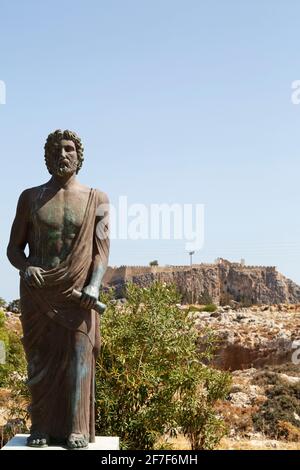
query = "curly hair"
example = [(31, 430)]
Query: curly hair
[(56, 137)]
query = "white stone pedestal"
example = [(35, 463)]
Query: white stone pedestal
[(102, 443)]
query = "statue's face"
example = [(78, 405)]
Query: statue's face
[(65, 159)]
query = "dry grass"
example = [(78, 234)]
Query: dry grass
[(4, 396), (4, 400), (257, 444), (181, 443)]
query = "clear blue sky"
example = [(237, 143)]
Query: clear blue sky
[(176, 101)]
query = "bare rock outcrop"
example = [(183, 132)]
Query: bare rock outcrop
[(253, 337), (221, 282)]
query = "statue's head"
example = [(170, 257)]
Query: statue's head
[(63, 153)]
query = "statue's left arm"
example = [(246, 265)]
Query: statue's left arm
[(100, 253)]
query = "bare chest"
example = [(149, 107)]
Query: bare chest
[(63, 212)]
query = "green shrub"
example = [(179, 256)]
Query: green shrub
[(149, 378), (2, 319), (4, 338), (282, 406), (209, 308), (15, 362), (13, 377), (193, 308), (206, 308)]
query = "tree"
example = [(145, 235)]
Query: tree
[(150, 373), (153, 263), (14, 306)]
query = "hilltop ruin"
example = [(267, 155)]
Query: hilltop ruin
[(219, 282)]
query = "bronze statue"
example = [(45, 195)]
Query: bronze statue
[(59, 221)]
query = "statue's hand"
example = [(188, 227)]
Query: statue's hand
[(90, 295), (33, 275)]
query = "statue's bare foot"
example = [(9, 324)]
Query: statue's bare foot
[(77, 441), (38, 439)]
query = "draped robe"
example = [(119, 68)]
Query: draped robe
[(61, 339)]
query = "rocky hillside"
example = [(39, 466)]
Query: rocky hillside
[(261, 411), (261, 347), (252, 337), (221, 282)]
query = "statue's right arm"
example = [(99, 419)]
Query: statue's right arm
[(18, 241), (19, 234)]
